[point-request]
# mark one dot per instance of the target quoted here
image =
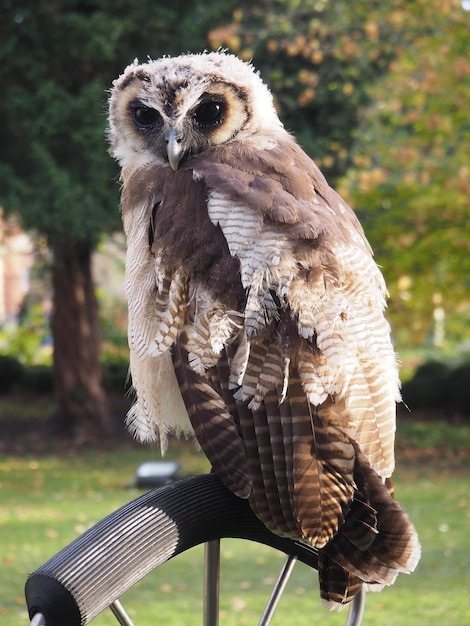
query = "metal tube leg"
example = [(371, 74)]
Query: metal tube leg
[(120, 614), (277, 591), (211, 583), (356, 611)]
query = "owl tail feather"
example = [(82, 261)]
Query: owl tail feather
[(376, 542), (338, 587)]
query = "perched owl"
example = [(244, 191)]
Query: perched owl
[(256, 315)]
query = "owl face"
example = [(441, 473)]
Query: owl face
[(170, 109)]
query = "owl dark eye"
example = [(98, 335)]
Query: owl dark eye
[(210, 112), (144, 116)]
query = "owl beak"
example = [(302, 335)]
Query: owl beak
[(174, 149)]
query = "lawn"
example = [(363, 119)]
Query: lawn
[(50, 497)]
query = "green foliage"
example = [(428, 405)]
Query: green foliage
[(29, 340), (438, 386), (319, 59), (116, 375), (427, 388), (411, 182), (57, 60), (459, 388), (11, 373), (437, 435), (38, 379)]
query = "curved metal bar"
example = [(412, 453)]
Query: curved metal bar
[(93, 571)]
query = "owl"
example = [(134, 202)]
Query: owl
[(256, 315)]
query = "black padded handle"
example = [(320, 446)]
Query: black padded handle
[(84, 578)]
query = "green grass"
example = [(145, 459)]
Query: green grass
[(48, 499)]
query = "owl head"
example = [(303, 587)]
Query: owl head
[(169, 109)]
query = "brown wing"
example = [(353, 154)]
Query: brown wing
[(313, 372), (269, 301), (302, 250)]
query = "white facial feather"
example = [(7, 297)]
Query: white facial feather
[(191, 75)]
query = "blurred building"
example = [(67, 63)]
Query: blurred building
[(16, 260)]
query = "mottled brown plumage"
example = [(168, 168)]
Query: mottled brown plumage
[(256, 315)]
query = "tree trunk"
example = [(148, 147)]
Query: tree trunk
[(81, 401)]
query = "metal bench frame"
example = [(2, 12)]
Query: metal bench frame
[(92, 572)]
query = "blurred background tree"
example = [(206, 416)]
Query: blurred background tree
[(319, 58), (376, 92), (410, 180), (57, 58)]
